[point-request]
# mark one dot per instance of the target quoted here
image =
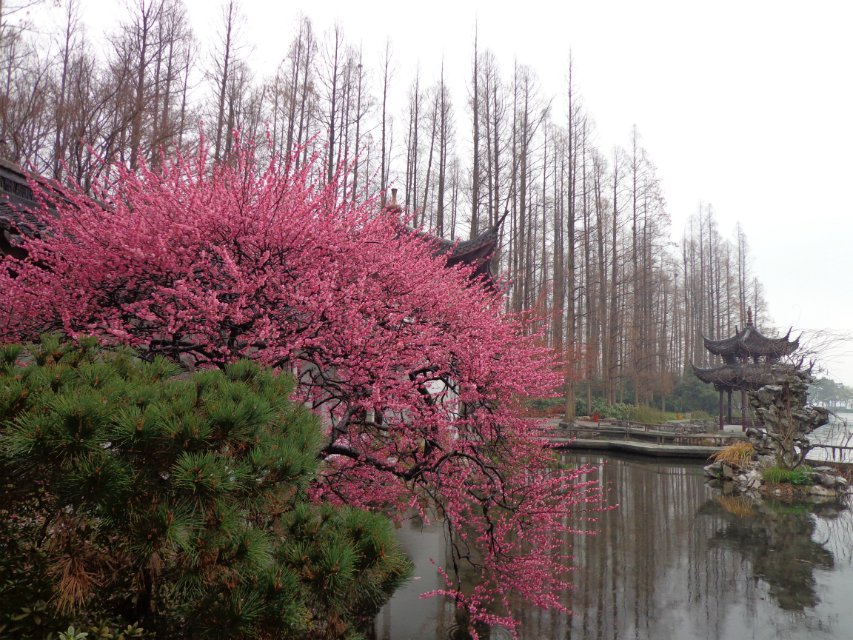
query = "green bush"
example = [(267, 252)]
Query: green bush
[(701, 416), (104, 632), (547, 405), (617, 411), (779, 475), (135, 494), (648, 415), (691, 394)]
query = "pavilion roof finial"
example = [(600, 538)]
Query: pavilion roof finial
[(392, 206), (749, 316)]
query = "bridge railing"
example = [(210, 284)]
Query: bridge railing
[(670, 434), (659, 434), (836, 452)]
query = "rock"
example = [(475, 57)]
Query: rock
[(825, 479), (766, 395), (765, 461), (752, 479), (714, 470), (841, 482), (727, 472), (821, 491), (823, 469)]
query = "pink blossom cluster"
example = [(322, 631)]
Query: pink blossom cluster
[(415, 369)]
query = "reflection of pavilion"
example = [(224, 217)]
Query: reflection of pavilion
[(778, 541), (748, 359)]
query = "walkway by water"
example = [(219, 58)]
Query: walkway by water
[(833, 443), (662, 441)]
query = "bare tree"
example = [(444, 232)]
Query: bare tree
[(585, 241), (444, 133), (223, 69), (386, 79), (475, 171), (412, 146)]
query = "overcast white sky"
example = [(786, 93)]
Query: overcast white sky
[(745, 105)]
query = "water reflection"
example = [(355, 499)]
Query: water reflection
[(778, 540), (675, 560)]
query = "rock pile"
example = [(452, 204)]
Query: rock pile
[(787, 420), (821, 482)]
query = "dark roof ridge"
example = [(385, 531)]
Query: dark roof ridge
[(749, 341)]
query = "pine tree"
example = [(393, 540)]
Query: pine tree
[(181, 502)]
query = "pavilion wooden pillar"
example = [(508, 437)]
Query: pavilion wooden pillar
[(721, 408), (729, 392), (742, 410)]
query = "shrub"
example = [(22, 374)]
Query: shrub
[(178, 502), (104, 632), (701, 416), (546, 406), (691, 394), (647, 415), (617, 411)]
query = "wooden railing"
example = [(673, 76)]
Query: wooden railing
[(837, 453), (659, 434), (669, 434)]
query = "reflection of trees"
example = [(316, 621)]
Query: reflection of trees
[(838, 532), (662, 567), (777, 540)]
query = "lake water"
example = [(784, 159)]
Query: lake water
[(675, 560), (839, 431)]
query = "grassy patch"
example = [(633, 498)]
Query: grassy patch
[(735, 455), (780, 475)]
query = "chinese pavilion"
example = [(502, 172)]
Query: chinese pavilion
[(479, 252), (16, 202), (749, 360)]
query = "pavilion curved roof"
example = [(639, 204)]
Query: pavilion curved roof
[(477, 252), (750, 342), (17, 204), (748, 376)]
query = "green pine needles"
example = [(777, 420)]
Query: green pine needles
[(137, 493)]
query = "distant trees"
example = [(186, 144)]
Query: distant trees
[(586, 239), (829, 393), (63, 107)]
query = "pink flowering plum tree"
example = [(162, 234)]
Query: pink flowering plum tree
[(415, 370)]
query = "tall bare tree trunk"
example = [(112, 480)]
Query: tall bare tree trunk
[(224, 77), (386, 71), (475, 171)]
